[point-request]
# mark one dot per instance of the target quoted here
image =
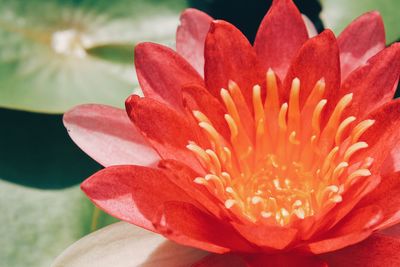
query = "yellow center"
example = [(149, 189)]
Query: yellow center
[(279, 165)]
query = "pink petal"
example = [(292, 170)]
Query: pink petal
[(162, 73), (362, 39), (281, 34), (132, 193), (167, 130), (108, 136), (230, 56), (185, 224), (191, 36), (311, 30), (318, 58), (378, 250)]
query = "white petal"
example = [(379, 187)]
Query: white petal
[(125, 245)]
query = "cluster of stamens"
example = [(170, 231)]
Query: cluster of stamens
[(279, 165)]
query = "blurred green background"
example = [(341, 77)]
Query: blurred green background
[(41, 207)]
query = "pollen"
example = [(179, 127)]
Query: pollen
[(283, 161)]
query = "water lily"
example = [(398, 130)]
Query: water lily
[(280, 153)]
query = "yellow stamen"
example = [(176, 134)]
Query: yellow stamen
[(342, 127), (294, 106), (360, 129), (316, 117)]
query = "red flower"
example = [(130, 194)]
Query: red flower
[(288, 163)]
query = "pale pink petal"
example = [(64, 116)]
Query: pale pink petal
[(311, 30), (191, 35), (107, 135), (362, 39), (125, 245)]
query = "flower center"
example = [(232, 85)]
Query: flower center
[(68, 42), (280, 165)]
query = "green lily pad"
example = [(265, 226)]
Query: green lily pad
[(337, 14), (37, 225), (56, 54), (36, 151)]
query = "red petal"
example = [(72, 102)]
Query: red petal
[(362, 39), (318, 58), (392, 162), (264, 260), (284, 260), (280, 36), (108, 136), (359, 219), (393, 231), (225, 260), (386, 196), (198, 98), (167, 130), (230, 56), (357, 226), (188, 225), (183, 176), (269, 238), (334, 215), (373, 84), (191, 36), (383, 135), (132, 193), (378, 250), (162, 73)]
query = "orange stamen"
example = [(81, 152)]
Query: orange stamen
[(289, 166)]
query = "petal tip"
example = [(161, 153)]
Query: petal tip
[(130, 102), (70, 114), (328, 33), (374, 14), (217, 23), (144, 47), (191, 11), (140, 46), (85, 186)]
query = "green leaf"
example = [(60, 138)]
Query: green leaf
[(337, 14), (36, 151), (37, 225), (122, 54), (56, 54)]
